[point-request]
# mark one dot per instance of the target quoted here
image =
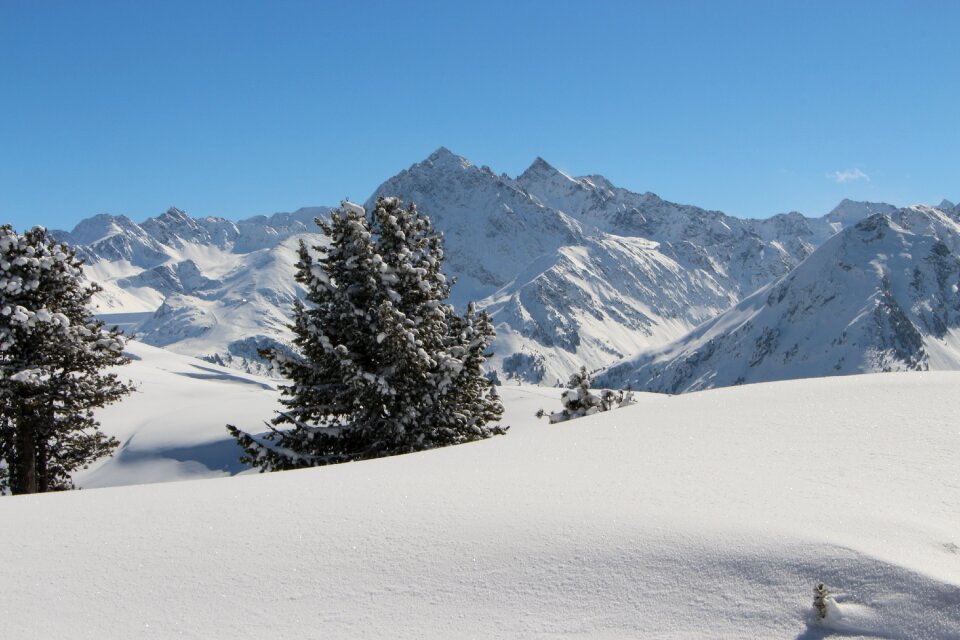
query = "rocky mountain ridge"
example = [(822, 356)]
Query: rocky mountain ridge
[(575, 271), (881, 295)]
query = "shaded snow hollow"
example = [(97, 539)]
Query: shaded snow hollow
[(709, 515)]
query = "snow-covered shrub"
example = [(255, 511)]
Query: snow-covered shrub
[(821, 599), (52, 356), (578, 400), (383, 364)]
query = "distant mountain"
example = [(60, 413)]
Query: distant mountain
[(205, 287), (155, 241), (575, 271), (881, 295)]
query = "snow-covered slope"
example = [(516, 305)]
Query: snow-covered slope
[(732, 252), (173, 427), (881, 295), (575, 271), (709, 515)]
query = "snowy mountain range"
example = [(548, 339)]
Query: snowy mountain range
[(881, 295), (205, 287), (574, 271)]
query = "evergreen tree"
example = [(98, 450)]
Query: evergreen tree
[(578, 400), (52, 356), (822, 600), (383, 365)]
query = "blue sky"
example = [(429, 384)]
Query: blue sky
[(242, 108)]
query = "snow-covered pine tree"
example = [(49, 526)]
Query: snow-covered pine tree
[(52, 356), (821, 599), (578, 400), (383, 365)]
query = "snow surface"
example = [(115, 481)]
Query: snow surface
[(173, 426), (707, 515)]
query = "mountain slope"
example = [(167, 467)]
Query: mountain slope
[(173, 427), (725, 249), (879, 296)]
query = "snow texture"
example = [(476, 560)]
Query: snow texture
[(172, 428), (708, 515)]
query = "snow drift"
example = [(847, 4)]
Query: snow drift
[(708, 515)]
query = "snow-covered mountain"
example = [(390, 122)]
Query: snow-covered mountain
[(881, 295), (575, 271), (562, 292), (206, 287)]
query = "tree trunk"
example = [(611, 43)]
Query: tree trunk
[(23, 475), (43, 480)]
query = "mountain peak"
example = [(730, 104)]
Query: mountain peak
[(173, 213), (443, 157), (540, 163), (101, 226), (946, 205), (850, 212), (540, 168)]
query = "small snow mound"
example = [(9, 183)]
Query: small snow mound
[(852, 618), (353, 207)]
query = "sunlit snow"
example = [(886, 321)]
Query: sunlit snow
[(708, 515)]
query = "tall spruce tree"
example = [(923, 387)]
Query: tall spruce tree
[(52, 356), (383, 365)]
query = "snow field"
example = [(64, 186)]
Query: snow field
[(708, 515), (173, 426)]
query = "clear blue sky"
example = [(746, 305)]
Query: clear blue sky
[(238, 108)]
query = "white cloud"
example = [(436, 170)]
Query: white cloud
[(848, 175)]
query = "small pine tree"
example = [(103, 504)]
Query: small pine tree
[(383, 365), (52, 356), (578, 400), (821, 595)]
